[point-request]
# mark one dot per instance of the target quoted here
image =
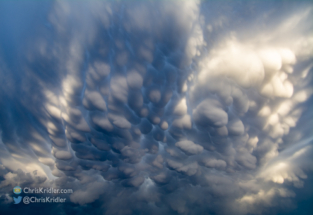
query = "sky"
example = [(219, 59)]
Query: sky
[(157, 107)]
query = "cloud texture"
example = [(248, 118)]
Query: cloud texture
[(162, 107)]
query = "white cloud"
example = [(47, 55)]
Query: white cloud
[(150, 107)]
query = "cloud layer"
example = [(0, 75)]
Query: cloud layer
[(158, 107)]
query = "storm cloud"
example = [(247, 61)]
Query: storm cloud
[(159, 107)]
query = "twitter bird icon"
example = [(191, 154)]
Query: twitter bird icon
[(17, 200)]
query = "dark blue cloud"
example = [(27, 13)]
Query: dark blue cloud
[(157, 107)]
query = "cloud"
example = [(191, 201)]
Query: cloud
[(89, 194), (189, 147), (210, 113), (158, 107)]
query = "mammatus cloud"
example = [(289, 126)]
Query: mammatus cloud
[(181, 107)]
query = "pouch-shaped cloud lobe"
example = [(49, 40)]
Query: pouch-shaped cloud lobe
[(179, 107)]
